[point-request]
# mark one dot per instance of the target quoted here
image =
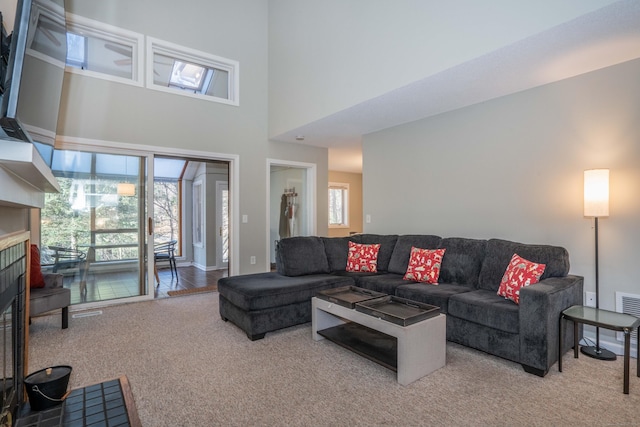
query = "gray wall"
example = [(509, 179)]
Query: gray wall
[(112, 112), (513, 168)]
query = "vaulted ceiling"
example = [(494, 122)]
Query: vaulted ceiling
[(599, 39)]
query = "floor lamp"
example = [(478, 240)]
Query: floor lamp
[(596, 204)]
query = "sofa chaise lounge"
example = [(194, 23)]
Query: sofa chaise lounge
[(470, 274)]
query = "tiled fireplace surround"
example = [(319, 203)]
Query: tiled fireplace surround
[(13, 300)]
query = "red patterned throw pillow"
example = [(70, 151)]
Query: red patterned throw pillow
[(424, 265), (363, 258), (520, 273)]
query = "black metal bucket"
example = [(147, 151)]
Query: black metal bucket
[(47, 387)]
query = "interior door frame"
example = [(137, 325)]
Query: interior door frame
[(149, 152), (311, 170)]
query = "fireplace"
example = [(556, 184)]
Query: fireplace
[(13, 267)]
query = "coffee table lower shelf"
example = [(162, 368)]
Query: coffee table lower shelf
[(368, 343), (412, 351)]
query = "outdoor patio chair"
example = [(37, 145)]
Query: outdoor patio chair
[(166, 252), (66, 257)]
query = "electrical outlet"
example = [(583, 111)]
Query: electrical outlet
[(590, 299), (252, 260)]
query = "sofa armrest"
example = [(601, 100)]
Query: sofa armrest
[(53, 280), (540, 308)]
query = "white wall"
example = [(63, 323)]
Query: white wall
[(325, 56), (109, 112), (513, 168)]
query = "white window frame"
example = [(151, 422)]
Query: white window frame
[(345, 201), (161, 47), (90, 28)]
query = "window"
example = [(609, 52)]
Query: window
[(100, 50), (198, 215), (338, 205), (180, 70)]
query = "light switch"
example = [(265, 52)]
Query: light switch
[(245, 219), (367, 219)]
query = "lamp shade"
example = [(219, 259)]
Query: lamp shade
[(596, 192), (126, 189)]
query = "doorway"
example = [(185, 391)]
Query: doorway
[(291, 199), (105, 256)]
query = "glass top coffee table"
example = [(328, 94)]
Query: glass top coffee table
[(606, 319)]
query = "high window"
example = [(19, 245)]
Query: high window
[(180, 70), (100, 50), (338, 205)]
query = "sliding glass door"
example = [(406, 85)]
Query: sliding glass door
[(94, 231)]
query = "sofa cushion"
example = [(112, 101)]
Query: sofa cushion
[(520, 273), (363, 258), (402, 250), (486, 308), (434, 295), (424, 265), (266, 290), (387, 243), (336, 249), (499, 253), (462, 261), (299, 256), (385, 282), (36, 279)]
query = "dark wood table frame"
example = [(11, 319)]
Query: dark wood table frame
[(606, 319)]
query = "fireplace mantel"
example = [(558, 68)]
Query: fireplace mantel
[(25, 176)]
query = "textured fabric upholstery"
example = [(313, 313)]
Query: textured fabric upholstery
[(52, 297), (386, 283), (265, 290), (487, 309), (431, 294), (462, 260), (337, 251), (499, 253), (298, 256), (402, 251)]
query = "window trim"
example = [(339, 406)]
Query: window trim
[(345, 188), (90, 28), (161, 47)]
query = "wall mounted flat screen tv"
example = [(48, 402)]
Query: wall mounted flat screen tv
[(33, 56)]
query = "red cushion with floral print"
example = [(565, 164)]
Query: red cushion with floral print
[(424, 265), (363, 258), (520, 272)]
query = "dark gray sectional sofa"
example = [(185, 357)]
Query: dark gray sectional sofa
[(470, 274)]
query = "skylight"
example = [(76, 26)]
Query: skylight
[(186, 75)]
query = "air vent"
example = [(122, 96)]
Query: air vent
[(629, 304), (86, 314)]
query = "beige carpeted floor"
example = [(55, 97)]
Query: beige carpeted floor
[(189, 368)]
